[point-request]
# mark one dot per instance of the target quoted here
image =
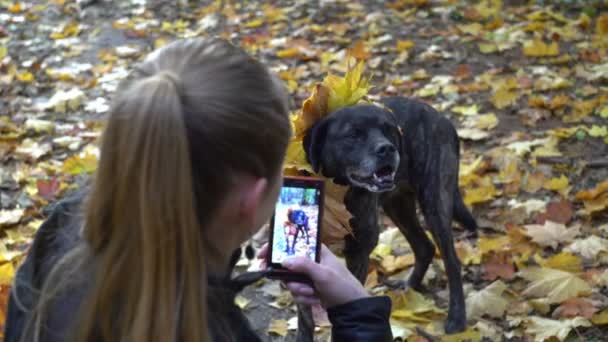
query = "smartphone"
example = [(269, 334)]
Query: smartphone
[(295, 227)]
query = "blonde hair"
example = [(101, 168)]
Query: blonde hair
[(190, 118)]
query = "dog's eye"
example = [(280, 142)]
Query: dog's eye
[(356, 133)]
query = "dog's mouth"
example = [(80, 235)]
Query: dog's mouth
[(383, 179)]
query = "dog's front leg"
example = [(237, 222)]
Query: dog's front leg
[(363, 206), (306, 324)]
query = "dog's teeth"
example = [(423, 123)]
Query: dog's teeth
[(375, 176)]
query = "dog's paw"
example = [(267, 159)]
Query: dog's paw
[(455, 324)]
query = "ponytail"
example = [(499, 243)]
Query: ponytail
[(150, 232)]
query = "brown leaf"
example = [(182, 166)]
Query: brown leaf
[(560, 212), (499, 265), (574, 307)]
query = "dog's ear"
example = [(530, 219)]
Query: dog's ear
[(313, 143)]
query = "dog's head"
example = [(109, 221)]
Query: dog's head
[(356, 145), (297, 217)]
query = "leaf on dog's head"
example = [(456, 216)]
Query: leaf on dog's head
[(314, 108), (347, 90)]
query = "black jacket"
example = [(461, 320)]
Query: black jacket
[(361, 320)]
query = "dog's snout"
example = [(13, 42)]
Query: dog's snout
[(384, 150)]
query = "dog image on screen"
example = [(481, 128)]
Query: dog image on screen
[(295, 224), (299, 219)]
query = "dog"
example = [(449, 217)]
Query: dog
[(392, 155), (299, 219)]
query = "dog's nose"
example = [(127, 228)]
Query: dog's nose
[(385, 149)]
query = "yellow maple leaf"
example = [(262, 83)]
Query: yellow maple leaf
[(488, 301), (291, 52), (563, 261), (347, 90), (495, 244), (7, 273), (411, 306), (503, 97), (554, 286), (25, 76), (538, 48), (600, 318), (278, 326), (404, 45), (480, 194), (543, 328), (561, 185), (76, 164)]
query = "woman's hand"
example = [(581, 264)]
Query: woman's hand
[(333, 282)]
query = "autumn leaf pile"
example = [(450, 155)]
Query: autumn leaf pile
[(525, 83)]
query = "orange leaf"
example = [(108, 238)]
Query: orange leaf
[(313, 109), (359, 50), (593, 193)]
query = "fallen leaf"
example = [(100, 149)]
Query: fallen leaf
[(543, 328), (561, 185), (538, 48), (601, 25), (409, 305), (600, 318), (241, 301), (488, 301), (503, 98), (551, 233), (47, 189), (563, 261), (553, 285), (76, 164), (560, 212), (575, 307), (466, 110), (278, 327), (7, 273), (494, 244), (589, 247), (10, 217), (595, 199), (499, 265)]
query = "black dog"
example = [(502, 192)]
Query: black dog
[(390, 156), (300, 220)]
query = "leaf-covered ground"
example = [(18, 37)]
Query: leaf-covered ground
[(525, 82)]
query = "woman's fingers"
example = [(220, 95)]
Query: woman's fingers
[(306, 300), (263, 253), (298, 289)]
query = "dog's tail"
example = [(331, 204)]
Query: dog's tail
[(462, 214)]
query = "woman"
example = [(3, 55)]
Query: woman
[(190, 168)]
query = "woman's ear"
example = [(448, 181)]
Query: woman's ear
[(252, 197)]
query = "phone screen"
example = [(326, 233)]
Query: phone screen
[(296, 221)]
